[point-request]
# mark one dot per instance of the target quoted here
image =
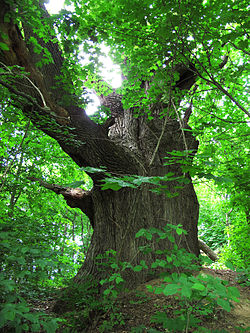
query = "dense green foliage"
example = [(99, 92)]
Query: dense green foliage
[(43, 242)]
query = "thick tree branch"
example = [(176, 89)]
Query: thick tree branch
[(53, 70), (75, 197), (16, 53), (84, 141)]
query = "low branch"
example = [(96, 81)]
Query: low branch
[(75, 197), (206, 249)]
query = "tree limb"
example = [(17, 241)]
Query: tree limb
[(206, 249), (83, 140), (75, 197)]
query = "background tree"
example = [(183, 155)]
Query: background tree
[(174, 57)]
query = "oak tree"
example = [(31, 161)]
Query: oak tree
[(139, 146)]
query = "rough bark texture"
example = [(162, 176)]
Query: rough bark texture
[(128, 145), (118, 216)]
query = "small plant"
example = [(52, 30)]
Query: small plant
[(114, 285), (15, 315), (114, 280), (80, 303), (243, 275), (198, 296)]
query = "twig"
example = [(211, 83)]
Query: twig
[(215, 83), (230, 121), (244, 51), (27, 78)]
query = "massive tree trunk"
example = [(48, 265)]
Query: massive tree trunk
[(127, 146), (118, 215)]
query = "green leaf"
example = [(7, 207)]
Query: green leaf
[(150, 288), (171, 289), (110, 186), (140, 233), (119, 279), (35, 327), (25, 327), (198, 286), (233, 292), (143, 264), (229, 265), (159, 317), (8, 314), (158, 290), (137, 268), (179, 231), (224, 304), (94, 170), (186, 291), (50, 326)]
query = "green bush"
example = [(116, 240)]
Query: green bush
[(239, 247)]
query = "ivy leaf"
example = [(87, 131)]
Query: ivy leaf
[(119, 279)]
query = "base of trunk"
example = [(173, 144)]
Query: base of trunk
[(120, 215)]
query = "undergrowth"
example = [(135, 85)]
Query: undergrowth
[(199, 296)]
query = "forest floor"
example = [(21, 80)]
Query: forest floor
[(137, 307)]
